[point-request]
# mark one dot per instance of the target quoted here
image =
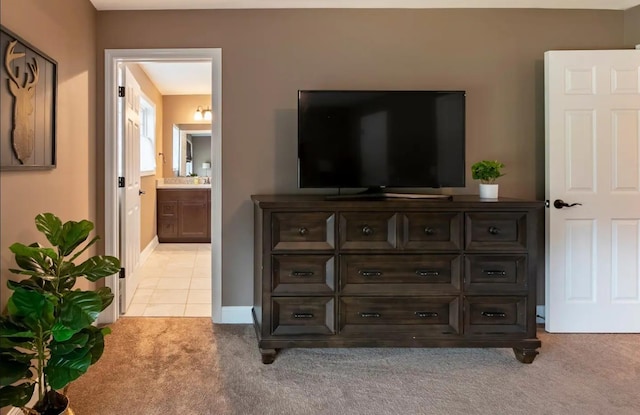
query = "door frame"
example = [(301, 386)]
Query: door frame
[(113, 57)]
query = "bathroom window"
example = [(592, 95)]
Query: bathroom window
[(147, 137)]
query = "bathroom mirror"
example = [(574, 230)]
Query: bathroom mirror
[(191, 152)]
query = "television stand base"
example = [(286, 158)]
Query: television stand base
[(384, 195)]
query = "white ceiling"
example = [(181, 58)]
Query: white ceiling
[(180, 78), (353, 4)]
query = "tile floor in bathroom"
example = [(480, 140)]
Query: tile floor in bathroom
[(174, 281)]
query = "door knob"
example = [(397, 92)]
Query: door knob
[(141, 192), (559, 204)]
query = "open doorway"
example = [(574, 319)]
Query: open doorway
[(174, 279), (115, 244)]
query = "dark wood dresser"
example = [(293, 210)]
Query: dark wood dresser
[(398, 272)]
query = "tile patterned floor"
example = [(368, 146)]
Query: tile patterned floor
[(175, 281)]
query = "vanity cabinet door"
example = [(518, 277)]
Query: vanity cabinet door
[(193, 217)]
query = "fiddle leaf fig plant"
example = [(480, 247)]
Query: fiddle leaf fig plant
[(487, 171), (47, 336)]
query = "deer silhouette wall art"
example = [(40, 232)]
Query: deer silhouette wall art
[(23, 102)]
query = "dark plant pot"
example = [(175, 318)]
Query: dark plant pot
[(55, 404)]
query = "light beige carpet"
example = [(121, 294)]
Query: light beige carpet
[(190, 366)]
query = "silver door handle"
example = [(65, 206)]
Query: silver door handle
[(141, 192)]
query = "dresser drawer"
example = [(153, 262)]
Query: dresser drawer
[(303, 274), (368, 230), (303, 231), (495, 273), (303, 315), (495, 315), (400, 274), (168, 209), (496, 231), (382, 316), (431, 231), (183, 195), (167, 228)]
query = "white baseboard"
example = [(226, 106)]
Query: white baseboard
[(236, 315), (144, 255), (540, 312)]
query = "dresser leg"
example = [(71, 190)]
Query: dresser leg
[(268, 355), (525, 355)]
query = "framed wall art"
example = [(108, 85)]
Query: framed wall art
[(28, 94)]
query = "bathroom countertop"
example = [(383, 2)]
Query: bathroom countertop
[(183, 186), (180, 183)]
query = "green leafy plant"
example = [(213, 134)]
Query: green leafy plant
[(47, 338), (487, 171)]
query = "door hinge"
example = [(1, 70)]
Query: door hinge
[(120, 181), (121, 92), (122, 273)]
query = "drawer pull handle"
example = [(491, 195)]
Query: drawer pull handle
[(366, 230), (303, 231), (370, 315), (302, 273), (426, 273), (426, 314), (494, 273), (494, 230), (428, 230), (370, 273), (493, 314), (302, 315)]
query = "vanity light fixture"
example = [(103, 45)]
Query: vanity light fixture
[(197, 116), (203, 114)]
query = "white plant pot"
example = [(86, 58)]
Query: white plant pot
[(488, 191)]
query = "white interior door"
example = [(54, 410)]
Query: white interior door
[(593, 158), (130, 202)]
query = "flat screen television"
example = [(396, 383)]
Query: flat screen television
[(381, 139)]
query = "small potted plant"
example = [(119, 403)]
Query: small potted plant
[(47, 338), (487, 171)]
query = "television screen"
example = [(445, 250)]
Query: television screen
[(377, 139)]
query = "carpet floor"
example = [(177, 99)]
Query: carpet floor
[(190, 366)]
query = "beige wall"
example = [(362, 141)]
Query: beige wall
[(64, 30), (148, 224), (179, 109), (632, 27), (267, 55), (495, 55)]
